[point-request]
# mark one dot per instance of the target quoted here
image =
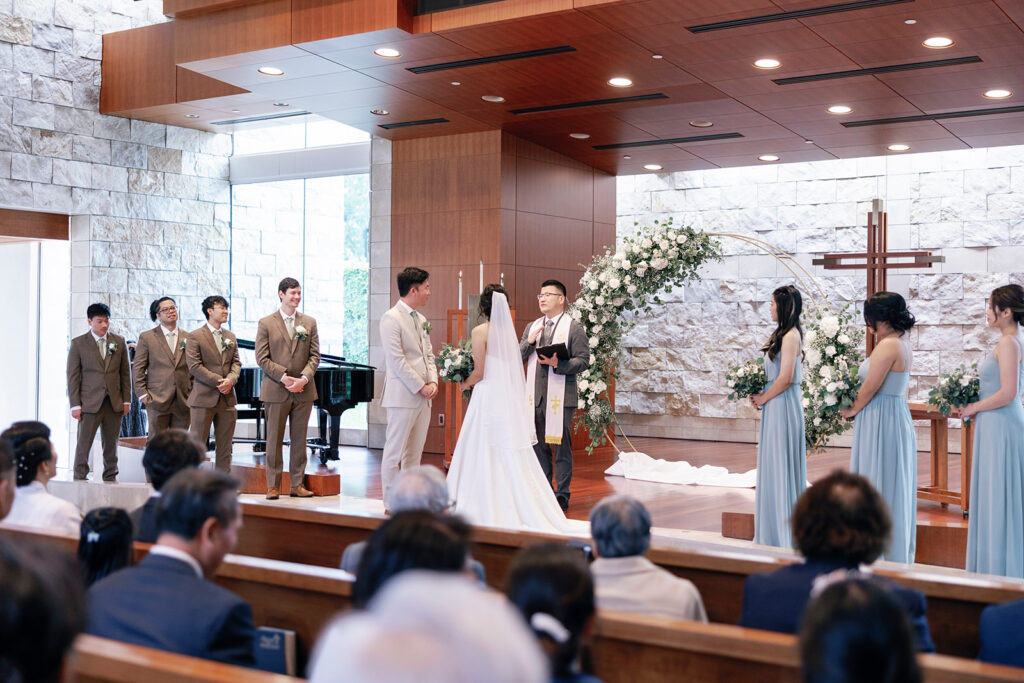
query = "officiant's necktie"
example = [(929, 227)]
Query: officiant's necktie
[(289, 322), (545, 338)]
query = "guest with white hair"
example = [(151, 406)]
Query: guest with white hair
[(426, 627), (625, 580)]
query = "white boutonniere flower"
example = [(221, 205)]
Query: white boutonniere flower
[(301, 332), (181, 345), (111, 348), (427, 328), (227, 343)]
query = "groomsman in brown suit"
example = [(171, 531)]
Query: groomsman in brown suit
[(288, 352), (99, 389), (211, 353), (161, 374)]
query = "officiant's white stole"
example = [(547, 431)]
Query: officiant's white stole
[(556, 382)]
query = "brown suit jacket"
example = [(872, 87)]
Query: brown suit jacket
[(209, 365), (278, 355), (158, 373), (90, 380)]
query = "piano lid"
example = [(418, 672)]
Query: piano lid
[(324, 357)]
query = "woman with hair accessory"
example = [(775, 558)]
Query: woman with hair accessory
[(781, 449), (33, 505), (105, 543), (884, 441), (995, 530)]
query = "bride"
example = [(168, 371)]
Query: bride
[(495, 479)]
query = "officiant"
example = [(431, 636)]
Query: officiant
[(555, 348)]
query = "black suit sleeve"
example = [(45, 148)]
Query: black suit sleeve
[(916, 606), (579, 352), (234, 642)]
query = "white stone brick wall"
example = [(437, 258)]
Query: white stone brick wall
[(150, 203), (380, 276), (965, 205)]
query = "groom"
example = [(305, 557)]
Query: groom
[(410, 379), (551, 383)]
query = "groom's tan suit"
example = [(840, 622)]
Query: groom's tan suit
[(161, 375), (100, 386), (209, 364), (409, 365)]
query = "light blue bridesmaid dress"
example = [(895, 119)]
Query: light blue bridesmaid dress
[(781, 460), (885, 452), (995, 528)]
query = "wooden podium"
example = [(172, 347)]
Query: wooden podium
[(938, 490)]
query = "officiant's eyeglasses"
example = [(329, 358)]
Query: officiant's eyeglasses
[(541, 297)]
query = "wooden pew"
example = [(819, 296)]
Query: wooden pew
[(98, 660), (955, 601), (628, 647)]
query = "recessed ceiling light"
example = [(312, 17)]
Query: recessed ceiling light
[(997, 94), (236, 111), (657, 57), (652, 167), (767, 63), (768, 157), (387, 52), (910, 21), (270, 71), (808, 142), (898, 148), (701, 124), (456, 82), (626, 156), (492, 98), (839, 109), (191, 116), (938, 42), (281, 104), (620, 82), (379, 112), (579, 136)]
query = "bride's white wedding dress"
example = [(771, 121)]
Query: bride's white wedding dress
[(495, 478)]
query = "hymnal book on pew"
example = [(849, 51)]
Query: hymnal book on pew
[(554, 350), (275, 650)]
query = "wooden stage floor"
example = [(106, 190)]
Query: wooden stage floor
[(697, 508)]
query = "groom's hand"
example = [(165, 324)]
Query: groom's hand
[(429, 390)]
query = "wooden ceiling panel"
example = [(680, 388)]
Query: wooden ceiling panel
[(680, 128), (814, 61), (944, 20), (559, 28), (810, 117), (619, 16), (987, 125), (878, 150), (883, 135), (415, 50), (810, 153), (939, 81), (822, 93), (249, 76)]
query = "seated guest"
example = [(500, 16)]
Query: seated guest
[(551, 585), (167, 453), (105, 544), (167, 601), (7, 478), (33, 505), (425, 627), (41, 610), (624, 579), (1002, 638), (411, 540), (839, 524), (855, 632)]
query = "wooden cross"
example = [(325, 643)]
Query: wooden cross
[(876, 260)]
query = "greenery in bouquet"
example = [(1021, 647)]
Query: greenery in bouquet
[(455, 362), (832, 359), (746, 379), (615, 290), (955, 389)]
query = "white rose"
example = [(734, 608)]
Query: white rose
[(805, 402), (663, 244), (625, 264), (843, 365), (299, 329), (576, 315), (599, 300), (647, 244), (599, 386), (830, 325), (813, 357), (843, 338), (619, 301), (603, 276), (811, 336), (627, 279), (964, 381), (583, 384), (826, 371), (593, 318), (594, 342), (741, 372), (631, 289), (593, 361), (832, 386), (730, 383), (830, 399), (830, 350), (594, 285), (614, 283), (681, 239), (636, 249), (817, 421), (659, 263), (640, 272), (672, 253)]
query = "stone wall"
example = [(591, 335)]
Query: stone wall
[(966, 205), (380, 276), (150, 203)]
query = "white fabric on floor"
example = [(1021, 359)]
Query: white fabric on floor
[(643, 467)]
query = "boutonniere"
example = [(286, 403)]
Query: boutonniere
[(227, 343), (426, 326), (111, 348), (301, 332), (181, 345)]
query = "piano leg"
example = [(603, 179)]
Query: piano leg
[(261, 440), (332, 452)]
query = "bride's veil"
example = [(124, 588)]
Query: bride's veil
[(504, 369)]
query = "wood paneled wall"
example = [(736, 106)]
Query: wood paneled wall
[(527, 212), (33, 225)]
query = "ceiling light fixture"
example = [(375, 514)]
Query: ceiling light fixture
[(456, 83), (270, 71), (808, 142), (997, 94), (767, 63), (657, 57), (938, 42), (768, 157), (898, 148), (379, 112), (910, 21), (839, 109), (191, 116), (281, 104), (626, 156), (236, 111), (579, 136), (387, 52), (620, 82), (653, 167), (701, 124), (492, 98)]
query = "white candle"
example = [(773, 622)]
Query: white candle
[(481, 276), (460, 290)]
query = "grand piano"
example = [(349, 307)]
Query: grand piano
[(340, 385)]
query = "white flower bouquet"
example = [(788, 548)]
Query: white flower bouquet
[(746, 379), (955, 389), (455, 362), (832, 359)]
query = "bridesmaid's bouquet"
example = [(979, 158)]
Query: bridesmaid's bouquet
[(831, 379), (455, 363), (955, 389), (746, 379)]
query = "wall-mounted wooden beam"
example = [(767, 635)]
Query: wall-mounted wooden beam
[(138, 68), (33, 225)]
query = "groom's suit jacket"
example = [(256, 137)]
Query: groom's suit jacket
[(160, 373), (91, 378), (577, 362), (277, 354), (209, 365), (408, 358)]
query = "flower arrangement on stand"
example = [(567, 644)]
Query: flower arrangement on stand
[(455, 363), (832, 359), (628, 280), (955, 390), (746, 379)]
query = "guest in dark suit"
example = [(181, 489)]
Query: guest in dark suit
[(167, 453), (839, 524), (100, 390), (167, 600), (1002, 638)]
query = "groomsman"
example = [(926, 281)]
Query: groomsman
[(288, 352), (99, 389), (161, 375), (211, 353), (551, 383), (410, 378)]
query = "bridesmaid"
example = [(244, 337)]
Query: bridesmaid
[(884, 442), (781, 451), (995, 529)]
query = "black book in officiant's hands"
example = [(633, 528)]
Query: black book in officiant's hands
[(559, 350)]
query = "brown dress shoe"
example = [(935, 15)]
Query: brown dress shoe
[(273, 493), (301, 492)]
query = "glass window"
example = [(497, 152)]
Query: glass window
[(299, 133)]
